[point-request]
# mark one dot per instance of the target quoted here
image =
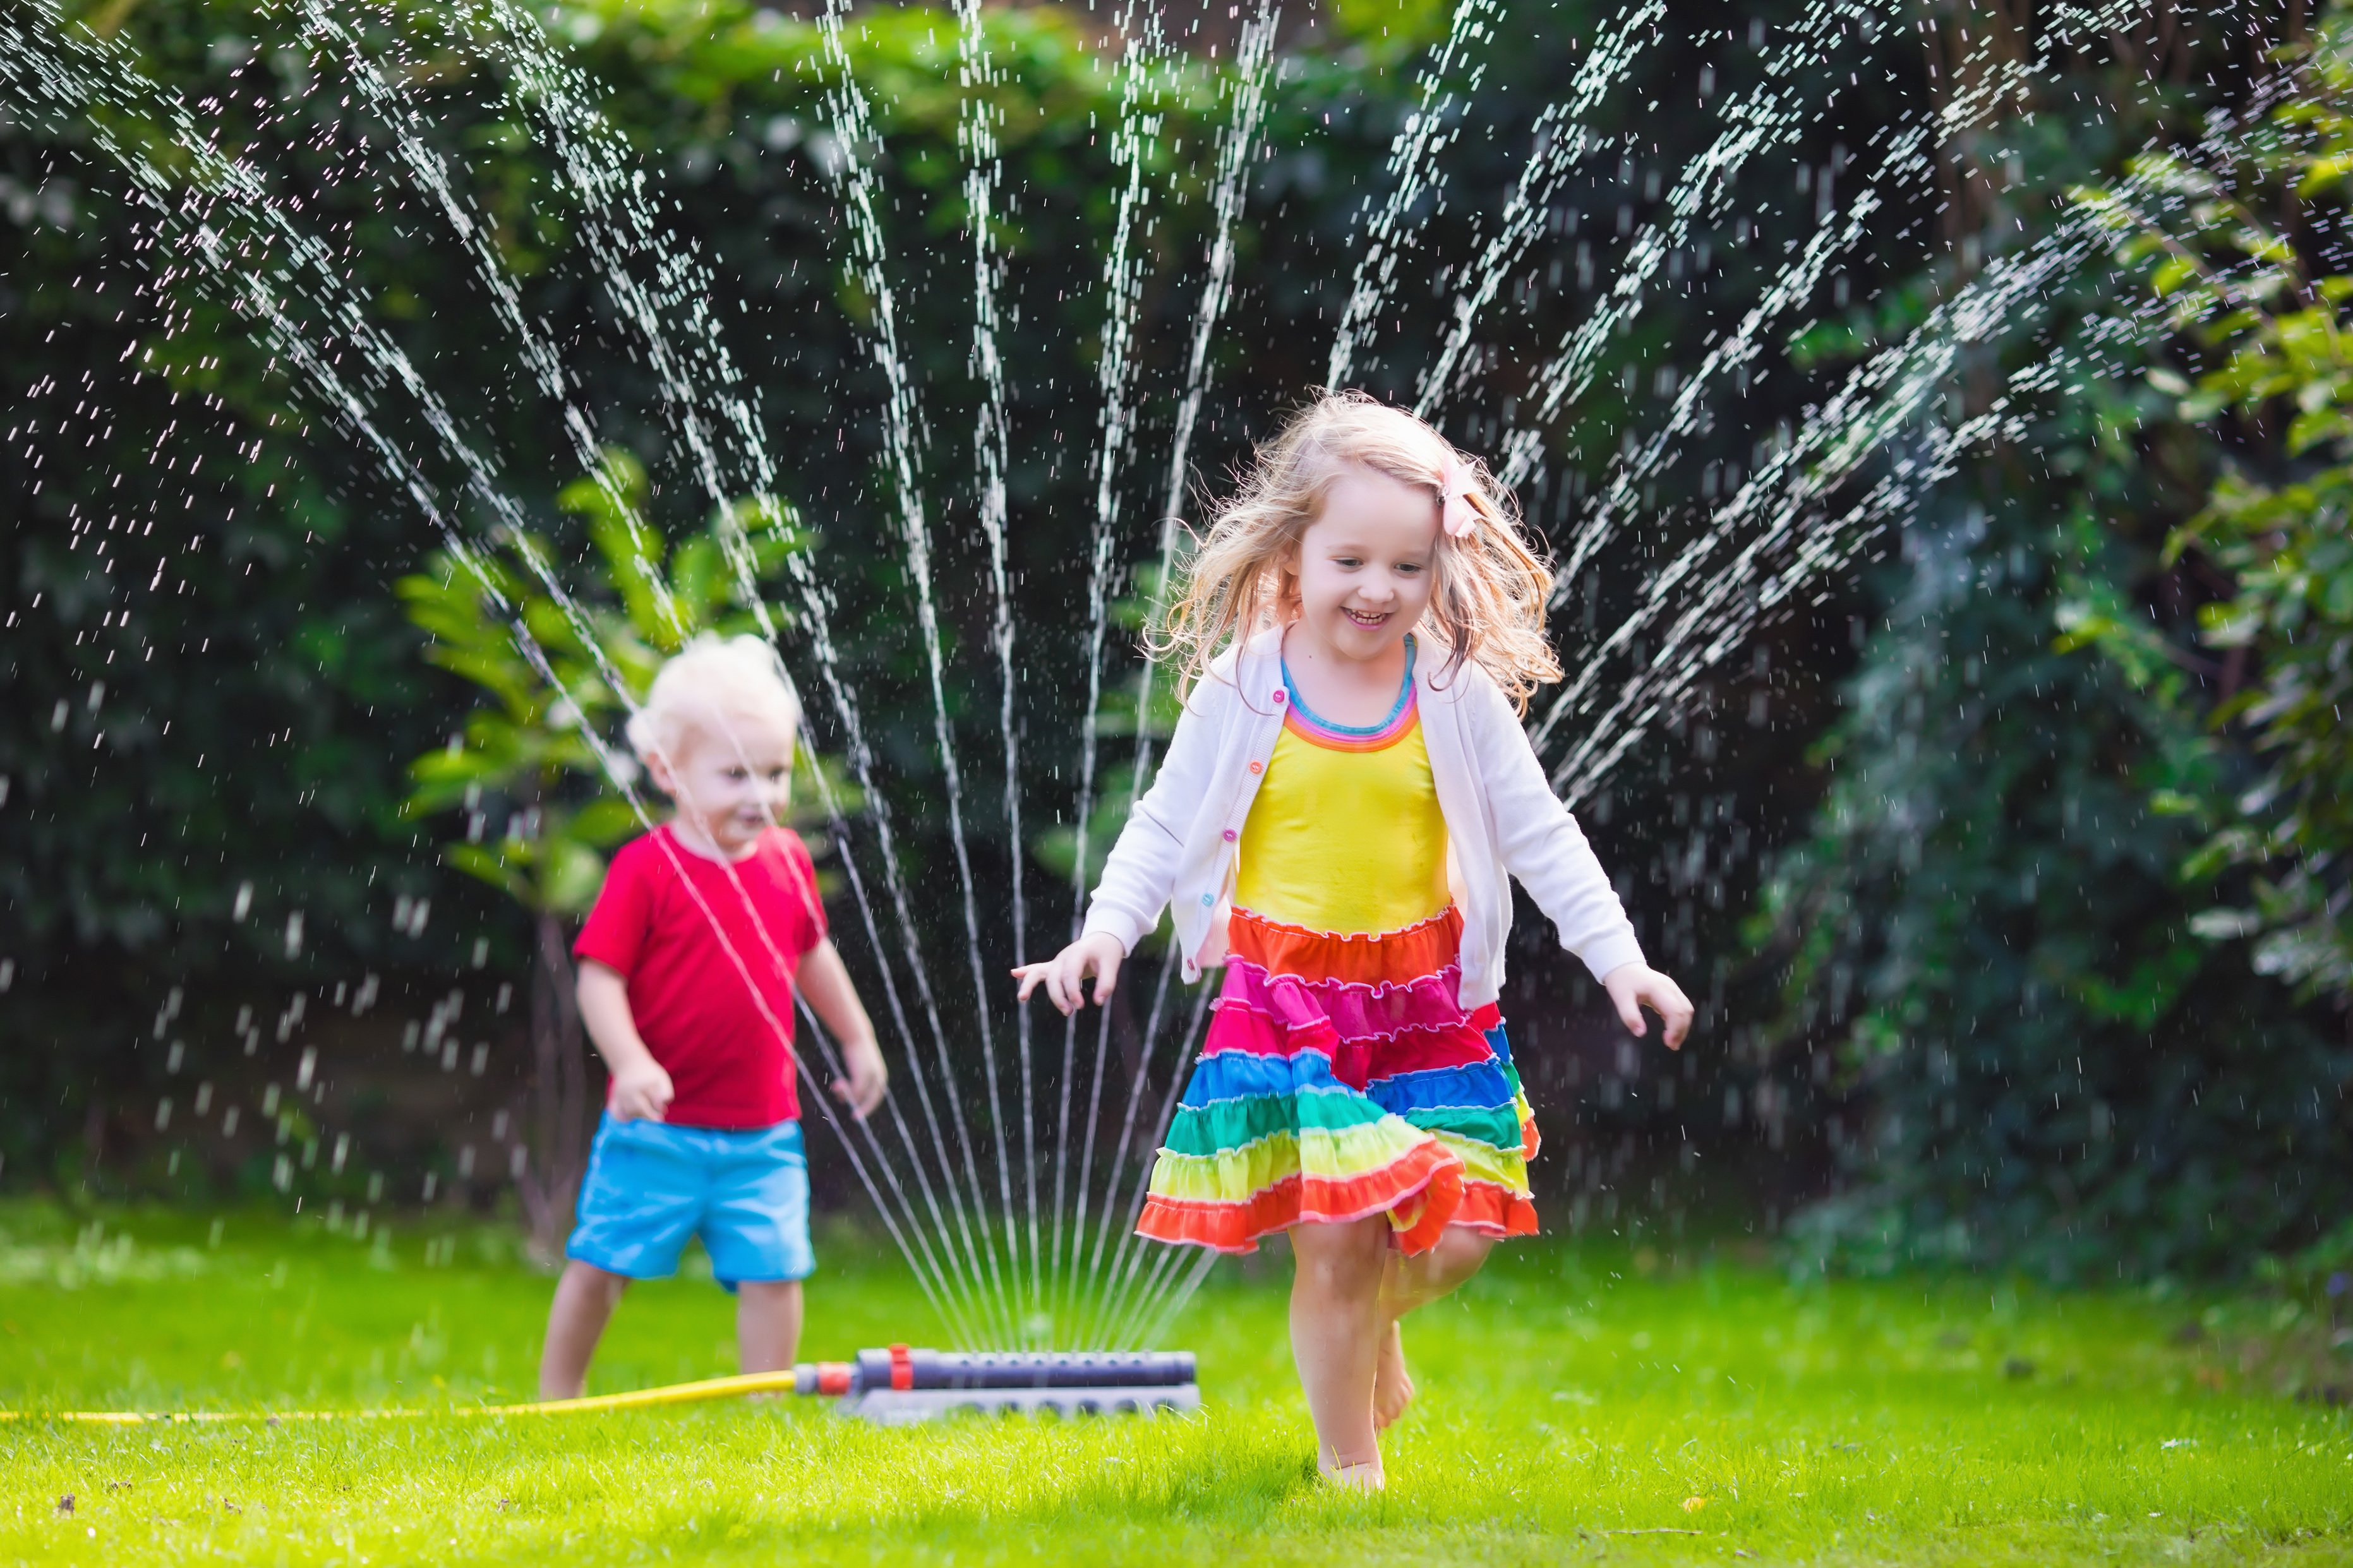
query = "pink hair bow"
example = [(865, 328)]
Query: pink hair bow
[(1456, 515)]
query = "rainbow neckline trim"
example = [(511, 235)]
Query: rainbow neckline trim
[(1304, 721)]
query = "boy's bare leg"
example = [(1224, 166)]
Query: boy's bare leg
[(584, 1298), (1410, 1282), (1335, 1326), (768, 1324)]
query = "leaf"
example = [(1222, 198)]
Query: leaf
[(2172, 275), (607, 820), (2323, 172), (575, 874), (2313, 427), (2225, 925), (701, 581), (490, 866)]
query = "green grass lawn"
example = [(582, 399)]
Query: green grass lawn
[(1579, 1404)]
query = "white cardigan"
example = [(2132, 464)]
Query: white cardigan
[(1501, 821)]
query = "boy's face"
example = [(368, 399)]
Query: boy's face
[(730, 781)]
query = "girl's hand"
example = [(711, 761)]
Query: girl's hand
[(641, 1090), (1634, 986), (868, 1078), (1067, 971)]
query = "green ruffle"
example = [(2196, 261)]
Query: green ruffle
[(1235, 1123)]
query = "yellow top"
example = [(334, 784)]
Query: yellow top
[(1345, 835)]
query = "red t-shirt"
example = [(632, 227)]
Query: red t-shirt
[(714, 1006)]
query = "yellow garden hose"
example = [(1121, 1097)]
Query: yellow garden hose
[(636, 1399)]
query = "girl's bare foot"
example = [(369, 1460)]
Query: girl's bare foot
[(1392, 1384), (1365, 1476)]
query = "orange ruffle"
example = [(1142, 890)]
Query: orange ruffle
[(1422, 1191), (1497, 1211), (1418, 1223), (1393, 958)]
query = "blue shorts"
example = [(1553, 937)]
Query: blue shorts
[(651, 1185)]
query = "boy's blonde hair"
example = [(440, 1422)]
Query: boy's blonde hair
[(707, 685), (1486, 604)]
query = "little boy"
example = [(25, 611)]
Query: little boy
[(688, 965)]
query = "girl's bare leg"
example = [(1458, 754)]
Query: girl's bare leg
[(768, 1324), (1410, 1282), (1336, 1328), (584, 1299)]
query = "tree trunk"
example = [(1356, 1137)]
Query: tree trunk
[(1977, 52), (557, 1155)]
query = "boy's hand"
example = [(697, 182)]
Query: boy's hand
[(868, 1078), (642, 1090), (1634, 986), (1065, 972)]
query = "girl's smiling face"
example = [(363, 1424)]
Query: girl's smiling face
[(1368, 563)]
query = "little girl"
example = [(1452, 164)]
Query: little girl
[(1347, 793)]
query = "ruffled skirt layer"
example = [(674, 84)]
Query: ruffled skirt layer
[(1341, 1079)]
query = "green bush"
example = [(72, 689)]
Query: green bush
[(1997, 993), (2262, 324)]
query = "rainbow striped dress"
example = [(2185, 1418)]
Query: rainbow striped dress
[(1341, 1077)]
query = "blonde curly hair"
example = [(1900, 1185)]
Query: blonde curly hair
[(1487, 604), (709, 687)]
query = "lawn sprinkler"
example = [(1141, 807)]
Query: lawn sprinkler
[(898, 1386)]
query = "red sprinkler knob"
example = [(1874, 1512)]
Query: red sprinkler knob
[(903, 1368), (833, 1379)]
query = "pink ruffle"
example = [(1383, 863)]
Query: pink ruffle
[(1354, 1012)]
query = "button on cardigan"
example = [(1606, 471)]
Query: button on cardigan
[(1501, 821)]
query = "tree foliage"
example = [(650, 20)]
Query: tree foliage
[(2240, 253), (1994, 995)]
